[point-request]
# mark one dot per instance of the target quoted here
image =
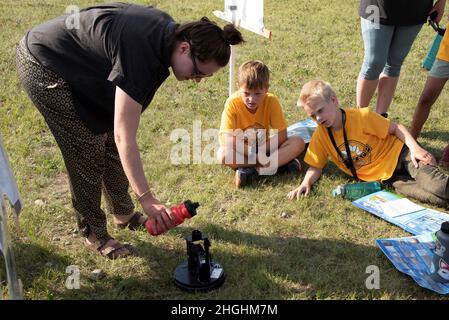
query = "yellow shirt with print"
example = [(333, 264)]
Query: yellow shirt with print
[(443, 51), (236, 116), (374, 151)]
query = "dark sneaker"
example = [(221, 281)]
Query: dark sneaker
[(243, 176), (292, 167)]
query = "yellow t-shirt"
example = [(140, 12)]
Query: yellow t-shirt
[(443, 51), (374, 151), (268, 115)]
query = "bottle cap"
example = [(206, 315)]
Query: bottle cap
[(445, 227), (338, 191), (191, 207)]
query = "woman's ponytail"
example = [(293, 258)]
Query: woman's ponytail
[(231, 35), (209, 41)]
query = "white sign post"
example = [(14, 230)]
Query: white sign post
[(247, 14)]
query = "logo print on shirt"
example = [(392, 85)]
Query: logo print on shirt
[(360, 153)]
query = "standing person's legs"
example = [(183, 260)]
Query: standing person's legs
[(83, 151), (429, 95), (376, 41), (386, 88), (116, 188), (435, 82), (401, 43)]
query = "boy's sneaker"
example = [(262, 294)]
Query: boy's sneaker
[(444, 162), (243, 176), (293, 167)]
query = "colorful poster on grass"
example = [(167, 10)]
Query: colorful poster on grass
[(402, 212), (413, 256)]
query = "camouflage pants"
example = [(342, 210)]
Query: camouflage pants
[(425, 183)]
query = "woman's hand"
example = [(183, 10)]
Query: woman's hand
[(158, 213), (302, 189)]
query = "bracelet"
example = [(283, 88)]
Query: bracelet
[(143, 195)]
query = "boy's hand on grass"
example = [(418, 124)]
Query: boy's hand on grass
[(419, 154), (303, 189)]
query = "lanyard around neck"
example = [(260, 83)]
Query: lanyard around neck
[(348, 160)]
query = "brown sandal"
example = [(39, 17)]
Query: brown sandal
[(133, 223), (112, 251)]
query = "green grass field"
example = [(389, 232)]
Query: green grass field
[(315, 248)]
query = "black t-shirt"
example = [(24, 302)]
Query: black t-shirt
[(398, 12), (116, 44)]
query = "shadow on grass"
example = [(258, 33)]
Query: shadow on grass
[(35, 263), (310, 268), (262, 267), (442, 136)]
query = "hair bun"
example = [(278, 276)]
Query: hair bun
[(231, 35)]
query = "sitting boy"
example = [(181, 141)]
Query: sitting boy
[(245, 142), (379, 149)]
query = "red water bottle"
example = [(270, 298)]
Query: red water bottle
[(185, 210)]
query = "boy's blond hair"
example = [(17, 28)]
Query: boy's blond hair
[(254, 74), (316, 89)]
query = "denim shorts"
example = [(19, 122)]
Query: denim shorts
[(440, 69), (385, 48)]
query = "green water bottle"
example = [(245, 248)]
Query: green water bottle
[(354, 191), (433, 50), (432, 53)]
